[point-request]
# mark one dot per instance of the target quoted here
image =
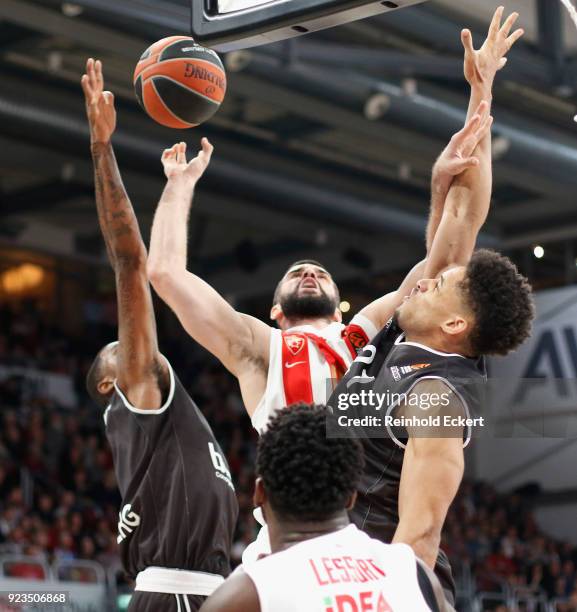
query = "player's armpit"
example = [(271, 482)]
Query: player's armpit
[(383, 308), (237, 594)]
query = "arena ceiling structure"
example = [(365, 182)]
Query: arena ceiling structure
[(323, 146)]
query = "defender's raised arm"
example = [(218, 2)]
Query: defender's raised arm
[(240, 342), (139, 363)]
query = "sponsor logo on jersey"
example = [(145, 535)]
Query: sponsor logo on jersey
[(367, 601), (292, 365), (294, 343), (399, 371), (220, 466), (419, 366), (358, 339), (128, 521)]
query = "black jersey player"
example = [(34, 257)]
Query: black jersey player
[(179, 508), (433, 347), (422, 377)]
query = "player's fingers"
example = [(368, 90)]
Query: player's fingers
[(90, 71), (180, 153), (98, 70), (469, 162), (108, 97), (509, 23), (94, 81), (514, 38), (467, 40), (485, 128), (470, 127), (482, 109), (502, 63), (85, 84), (207, 147), (496, 22), (461, 140)]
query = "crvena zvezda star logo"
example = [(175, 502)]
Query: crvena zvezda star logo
[(294, 344)]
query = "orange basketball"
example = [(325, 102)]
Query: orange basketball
[(179, 83)]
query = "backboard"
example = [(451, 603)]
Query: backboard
[(226, 25)]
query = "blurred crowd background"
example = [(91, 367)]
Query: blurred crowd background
[(58, 496)]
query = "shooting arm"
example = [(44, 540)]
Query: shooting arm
[(139, 366), (456, 214), (442, 179), (232, 337), (432, 471), (480, 69), (465, 212)]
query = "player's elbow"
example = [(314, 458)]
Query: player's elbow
[(161, 277)]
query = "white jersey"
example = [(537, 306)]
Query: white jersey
[(344, 571), (305, 363)]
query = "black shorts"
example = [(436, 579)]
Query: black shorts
[(445, 576), (143, 601)]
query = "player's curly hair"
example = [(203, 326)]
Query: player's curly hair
[(306, 475), (502, 302)]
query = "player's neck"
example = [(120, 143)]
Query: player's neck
[(432, 342), (284, 534), (315, 322)]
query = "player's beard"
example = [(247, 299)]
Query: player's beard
[(295, 306)]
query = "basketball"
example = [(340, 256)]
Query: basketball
[(179, 83)]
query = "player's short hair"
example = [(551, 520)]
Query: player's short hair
[(306, 475), (94, 376), (301, 262), (502, 302)]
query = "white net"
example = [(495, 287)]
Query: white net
[(572, 11)]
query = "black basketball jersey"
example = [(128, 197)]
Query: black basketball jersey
[(179, 507), (391, 367)]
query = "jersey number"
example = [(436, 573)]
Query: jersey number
[(367, 358)]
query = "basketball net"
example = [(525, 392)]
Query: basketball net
[(572, 12)]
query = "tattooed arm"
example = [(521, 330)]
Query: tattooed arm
[(141, 371)]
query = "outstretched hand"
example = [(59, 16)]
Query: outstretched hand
[(482, 65), (99, 103), (458, 155), (176, 166)]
